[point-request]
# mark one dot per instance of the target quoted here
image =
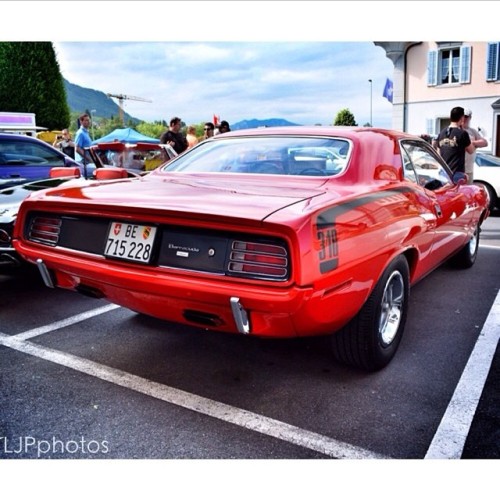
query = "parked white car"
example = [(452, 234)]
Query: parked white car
[(487, 173)]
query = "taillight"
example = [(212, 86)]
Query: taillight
[(45, 230), (258, 260)]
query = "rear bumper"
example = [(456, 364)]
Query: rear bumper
[(195, 302), (200, 301)]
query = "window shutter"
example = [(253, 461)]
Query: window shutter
[(432, 58), (492, 62), (465, 53)]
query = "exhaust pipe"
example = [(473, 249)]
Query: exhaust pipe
[(89, 291)]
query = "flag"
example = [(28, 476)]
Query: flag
[(216, 120), (388, 90)]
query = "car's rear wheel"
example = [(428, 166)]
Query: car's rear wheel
[(466, 257), (370, 340)]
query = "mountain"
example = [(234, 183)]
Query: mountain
[(81, 99), (254, 123)]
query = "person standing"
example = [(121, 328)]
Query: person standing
[(191, 136), (224, 127), (208, 130), (82, 139), (453, 141), (174, 137), (477, 140), (65, 143)]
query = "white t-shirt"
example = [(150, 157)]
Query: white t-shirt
[(470, 157)]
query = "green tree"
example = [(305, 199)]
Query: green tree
[(31, 82), (345, 118), (107, 126), (154, 129)]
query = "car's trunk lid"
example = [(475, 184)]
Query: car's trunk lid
[(225, 196)]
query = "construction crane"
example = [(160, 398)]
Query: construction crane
[(121, 98)]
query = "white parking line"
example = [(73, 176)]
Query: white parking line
[(450, 437), (221, 411), (489, 247), (65, 322), (448, 442)]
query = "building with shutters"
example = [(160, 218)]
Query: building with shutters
[(430, 78)]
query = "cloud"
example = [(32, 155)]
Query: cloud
[(304, 82), (300, 60)]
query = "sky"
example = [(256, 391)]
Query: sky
[(303, 61), (303, 82)]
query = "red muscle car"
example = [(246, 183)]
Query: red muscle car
[(275, 232)]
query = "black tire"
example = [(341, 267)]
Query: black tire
[(466, 257), (370, 340)]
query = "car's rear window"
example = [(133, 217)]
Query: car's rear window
[(267, 155)]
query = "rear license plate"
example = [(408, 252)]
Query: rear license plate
[(130, 242)]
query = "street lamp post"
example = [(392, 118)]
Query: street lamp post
[(371, 101)]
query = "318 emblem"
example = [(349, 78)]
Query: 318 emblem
[(328, 248)]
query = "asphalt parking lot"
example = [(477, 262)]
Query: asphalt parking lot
[(84, 379)]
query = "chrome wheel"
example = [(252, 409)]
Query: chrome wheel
[(473, 243), (391, 308)]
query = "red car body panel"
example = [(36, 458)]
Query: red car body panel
[(341, 232)]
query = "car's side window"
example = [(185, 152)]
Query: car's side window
[(28, 153), (430, 172), (408, 169)]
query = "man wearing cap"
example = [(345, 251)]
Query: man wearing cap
[(476, 139), (453, 142), (224, 127)]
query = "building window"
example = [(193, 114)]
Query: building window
[(449, 65), (492, 62)]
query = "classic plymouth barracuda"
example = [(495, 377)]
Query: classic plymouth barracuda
[(274, 232)]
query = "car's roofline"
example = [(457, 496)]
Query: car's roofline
[(329, 131)]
